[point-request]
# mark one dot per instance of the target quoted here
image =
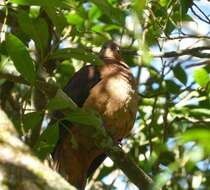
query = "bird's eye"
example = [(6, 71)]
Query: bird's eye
[(117, 48)]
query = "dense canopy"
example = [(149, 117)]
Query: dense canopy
[(167, 45)]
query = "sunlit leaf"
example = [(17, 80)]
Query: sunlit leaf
[(34, 11), (163, 3), (74, 19), (200, 112), (113, 13), (138, 8), (201, 77), (201, 136), (94, 13), (46, 3)]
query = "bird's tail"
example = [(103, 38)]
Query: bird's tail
[(57, 158), (67, 163)]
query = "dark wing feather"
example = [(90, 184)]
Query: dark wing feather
[(79, 85)]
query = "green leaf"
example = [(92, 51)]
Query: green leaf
[(199, 112), (58, 103), (166, 157), (47, 141), (107, 27), (36, 29), (172, 87), (76, 53), (34, 11), (50, 134), (66, 68), (201, 136), (180, 74), (46, 3), (31, 120), (61, 101), (58, 19), (94, 13), (21, 58), (185, 5), (138, 8), (201, 77), (83, 117), (74, 19), (152, 34), (146, 56), (163, 3), (114, 14)]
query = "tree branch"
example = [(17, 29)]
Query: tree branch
[(13, 78), (134, 173), (196, 52), (19, 169), (185, 36)]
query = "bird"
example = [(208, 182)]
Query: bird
[(108, 89)]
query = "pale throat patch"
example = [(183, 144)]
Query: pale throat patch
[(120, 89)]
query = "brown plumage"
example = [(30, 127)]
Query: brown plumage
[(109, 90)]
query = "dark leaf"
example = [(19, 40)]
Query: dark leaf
[(36, 29), (47, 141), (84, 118), (180, 74), (57, 18), (76, 53), (31, 120), (172, 87), (21, 58)]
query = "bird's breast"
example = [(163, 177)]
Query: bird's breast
[(116, 101)]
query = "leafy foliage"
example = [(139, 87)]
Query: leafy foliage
[(49, 40)]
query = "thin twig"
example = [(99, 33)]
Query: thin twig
[(196, 52), (13, 78), (185, 36), (207, 18), (198, 16), (198, 64)]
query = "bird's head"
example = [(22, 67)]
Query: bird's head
[(110, 50)]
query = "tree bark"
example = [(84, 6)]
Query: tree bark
[(19, 169)]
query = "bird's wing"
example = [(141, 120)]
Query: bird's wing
[(79, 85), (78, 89)]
